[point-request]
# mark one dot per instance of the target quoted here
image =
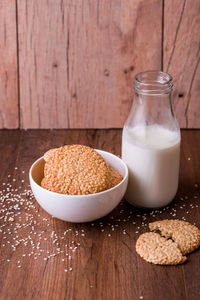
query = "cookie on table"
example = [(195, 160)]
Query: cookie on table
[(156, 249), (186, 235)]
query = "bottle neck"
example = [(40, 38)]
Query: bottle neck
[(153, 83), (152, 101), (153, 109)]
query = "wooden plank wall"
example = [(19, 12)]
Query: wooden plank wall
[(73, 62), (8, 66), (181, 57)]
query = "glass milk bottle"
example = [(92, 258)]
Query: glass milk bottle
[(151, 142)]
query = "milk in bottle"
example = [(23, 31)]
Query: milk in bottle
[(151, 143)]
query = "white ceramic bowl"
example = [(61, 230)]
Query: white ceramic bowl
[(79, 208)]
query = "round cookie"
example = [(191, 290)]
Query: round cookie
[(158, 250), (45, 184), (75, 170), (186, 235), (49, 153), (114, 178)]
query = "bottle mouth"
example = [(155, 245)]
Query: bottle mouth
[(153, 83)]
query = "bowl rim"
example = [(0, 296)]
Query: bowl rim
[(84, 196)]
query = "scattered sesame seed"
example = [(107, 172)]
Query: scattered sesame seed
[(19, 211)]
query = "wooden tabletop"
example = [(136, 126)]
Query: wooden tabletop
[(45, 258)]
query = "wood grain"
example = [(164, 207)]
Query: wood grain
[(9, 149), (78, 59), (104, 267), (8, 66), (191, 137), (181, 57)]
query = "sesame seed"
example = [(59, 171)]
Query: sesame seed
[(19, 211)]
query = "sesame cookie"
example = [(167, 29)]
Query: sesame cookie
[(77, 170), (158, 250), (186, 235), (45, 184), (49, 153), (114, 178)]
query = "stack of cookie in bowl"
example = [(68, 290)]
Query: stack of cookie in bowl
[(76, 183), (77, 170)]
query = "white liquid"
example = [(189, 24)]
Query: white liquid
[(152, 155)]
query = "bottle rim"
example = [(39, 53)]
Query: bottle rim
[(153, 82)]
